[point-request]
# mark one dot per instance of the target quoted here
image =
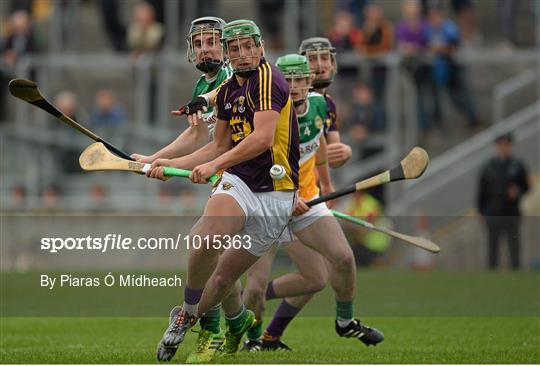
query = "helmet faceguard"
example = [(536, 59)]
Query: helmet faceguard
[(206, 52), (234, 37), (296, 70), (321, 56)]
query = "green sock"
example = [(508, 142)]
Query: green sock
[(210, 320), (344, 310), (254, 333), (236, 322)]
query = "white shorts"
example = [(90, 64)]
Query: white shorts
[(267, 213), (301, 222)]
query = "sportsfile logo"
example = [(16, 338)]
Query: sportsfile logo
[(115, 242)]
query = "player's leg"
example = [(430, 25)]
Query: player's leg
[(254, 297), (325, 236), (222, 216), (231, 265), (312, 273), (311, 277)]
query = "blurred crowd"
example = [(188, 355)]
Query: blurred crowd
[(427, 35)]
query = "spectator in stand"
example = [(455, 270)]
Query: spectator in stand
[(20, 40), (116, 31), (50, 198), (377, 41), (145, 34), (443, 40), (18, 197), (107, 112), (67, 103), (503, 182), (345, 36), (466, 17), (411, 34), (508, 10), (18, 43), (367, 118), (271, 21), (354, 7)]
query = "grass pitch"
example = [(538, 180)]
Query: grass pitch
[(426, 317)]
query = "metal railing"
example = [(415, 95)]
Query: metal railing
[(400, 136), (508, 87)]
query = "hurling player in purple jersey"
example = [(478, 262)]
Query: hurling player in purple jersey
[(322, 61), (256, 128)]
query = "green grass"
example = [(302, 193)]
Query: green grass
[(439, 317), (409, 340)]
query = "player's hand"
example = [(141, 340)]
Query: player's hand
[(338, 154), (201, 173), (142, 158), (301, 207), (156, 169), (327, 189), (194, 110)]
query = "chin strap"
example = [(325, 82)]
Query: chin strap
[(321, 84), (245, 73), (298, 103), (209, 66)]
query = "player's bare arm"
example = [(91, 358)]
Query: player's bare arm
[(191, 139), (222, 143), (256, 143)]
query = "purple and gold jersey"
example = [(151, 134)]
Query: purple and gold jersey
[(266, 89), (331, 115)]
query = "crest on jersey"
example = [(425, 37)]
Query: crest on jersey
[(328, 123), (241, 106), (319, 122), (226, 186)]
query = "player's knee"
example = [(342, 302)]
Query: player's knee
[(318, 283), (223, 280), (344, 261)]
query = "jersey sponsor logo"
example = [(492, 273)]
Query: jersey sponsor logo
[(308, 148), (228, 106)]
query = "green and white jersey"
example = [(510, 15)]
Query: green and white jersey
[(204, 86), (311, 125)]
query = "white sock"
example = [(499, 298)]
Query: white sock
[(191, 309), (344, 322)]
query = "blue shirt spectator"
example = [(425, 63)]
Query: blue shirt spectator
[(107, 112), (443, 38)]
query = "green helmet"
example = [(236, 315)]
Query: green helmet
[(239, 29), (294, 66), (236, 30), (200, 26), (318, 46)]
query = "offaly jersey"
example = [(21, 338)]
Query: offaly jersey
[(204, 86), (312, 127), (266, 89)]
